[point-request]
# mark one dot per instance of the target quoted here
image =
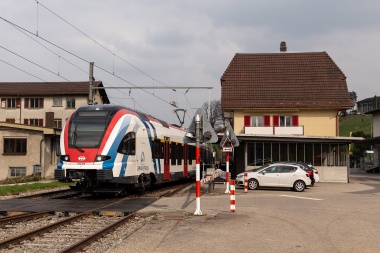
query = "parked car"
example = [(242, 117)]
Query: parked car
[(290, 175), (313, 172)]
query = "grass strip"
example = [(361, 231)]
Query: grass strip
[(20, 188)]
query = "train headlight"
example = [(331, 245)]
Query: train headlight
[(65, 158), (101, 158)]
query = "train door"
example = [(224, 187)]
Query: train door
[(185, 160), (166, 159)]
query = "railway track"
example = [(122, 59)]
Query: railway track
[(70, 234)]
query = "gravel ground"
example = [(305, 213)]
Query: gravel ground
[(106, 244)]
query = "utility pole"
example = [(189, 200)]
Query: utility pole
[(91, 90)]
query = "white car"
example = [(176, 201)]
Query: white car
[(276, 175)]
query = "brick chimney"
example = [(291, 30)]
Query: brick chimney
[(283, 46)]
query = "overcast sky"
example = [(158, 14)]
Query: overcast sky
[(180, 43)]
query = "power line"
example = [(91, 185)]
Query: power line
[(108, 50), (21, 28), (51, 50), (22, 70), (33, 63), (96, 42)]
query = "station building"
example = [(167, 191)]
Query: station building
[(285, 107)]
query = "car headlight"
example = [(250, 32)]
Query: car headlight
[(240, 176)]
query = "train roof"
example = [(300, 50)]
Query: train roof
[(115, 108)]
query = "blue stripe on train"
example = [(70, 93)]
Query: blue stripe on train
[(112, 152)]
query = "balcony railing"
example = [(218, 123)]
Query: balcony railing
[(288, 130)]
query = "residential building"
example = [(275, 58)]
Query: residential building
[(375, 134), (31, 118), (368, 104), (285, 107)]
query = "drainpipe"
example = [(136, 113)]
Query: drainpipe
[(42, 169)]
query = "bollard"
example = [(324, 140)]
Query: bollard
[(232, 196), (211, 186), (246, 182)]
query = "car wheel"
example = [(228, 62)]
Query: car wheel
[(253, 184), (299, 186)]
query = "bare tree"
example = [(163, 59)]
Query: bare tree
[(216, 119)]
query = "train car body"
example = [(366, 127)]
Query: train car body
[(108, 148)]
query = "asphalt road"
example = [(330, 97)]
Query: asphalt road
[(330, 217)]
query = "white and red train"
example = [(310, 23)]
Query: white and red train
[(113, 149)]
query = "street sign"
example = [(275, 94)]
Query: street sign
[(227, 149), (229, 139)]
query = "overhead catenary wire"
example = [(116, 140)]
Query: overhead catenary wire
[(34, 63), (50, 50), (23, 70), (99, 44), (108, 50), (23, 29), (51, 43)]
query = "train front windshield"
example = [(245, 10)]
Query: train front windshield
[(87, 128)]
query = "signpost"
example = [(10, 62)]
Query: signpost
[(228, 142)]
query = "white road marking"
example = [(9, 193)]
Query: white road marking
[(290, 196)]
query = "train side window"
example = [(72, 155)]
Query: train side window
[(157, 149), (173, 153), (191, 155), (179, 154), (128, 144)]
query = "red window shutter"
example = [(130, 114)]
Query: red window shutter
[(41, 102), (294, 120), (41, 122), (26, 105), (266, 120), (247, 120), (3, 103), (276, 121), (26, 121), (18, 102)]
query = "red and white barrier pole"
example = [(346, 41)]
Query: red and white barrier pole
[(246, 182), (197, 168), (227, 172), (232, 197)]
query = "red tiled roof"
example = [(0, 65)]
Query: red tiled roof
[(45, 88), (284, 80), (24, 89)]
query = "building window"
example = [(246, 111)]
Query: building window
[(15, 146), (70, 103), (58, 123), (11, 103), (257, 121), (17, 171), (34, 103), (285, 120), (33, 122), (57, 101), (10, 120)]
